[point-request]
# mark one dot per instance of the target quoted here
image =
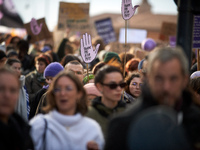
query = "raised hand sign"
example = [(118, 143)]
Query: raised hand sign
[(127, 9), (35, 28), (87, 52)]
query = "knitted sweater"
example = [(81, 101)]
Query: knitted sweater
[(65, 132)]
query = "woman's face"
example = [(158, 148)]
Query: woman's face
[(17, 68), (115, 93), (135, 87), (9, 92), (66, 96), (40, 66)]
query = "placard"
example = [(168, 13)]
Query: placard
[(133, 35), (167, 29), (196, 32), (74, 16), (105, 30), (38, 30)]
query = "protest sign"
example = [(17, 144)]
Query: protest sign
[(127, 9), (87, 52), (74, 16), (133, 36), (105, 30), (196, 32), (167, 29), (38, 30)]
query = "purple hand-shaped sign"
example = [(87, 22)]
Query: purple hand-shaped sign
[(87, 52), (127, 9), (35, 28)]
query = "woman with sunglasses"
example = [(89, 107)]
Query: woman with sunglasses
[(133, 88), (65, 126), (109, 81)]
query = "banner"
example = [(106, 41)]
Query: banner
[(38, 30), (105, 30), (74, 16)]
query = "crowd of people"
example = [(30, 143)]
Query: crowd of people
[(50, 100)]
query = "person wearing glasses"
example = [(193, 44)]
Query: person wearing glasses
[(133, 89), (65, 126), (109, 81)]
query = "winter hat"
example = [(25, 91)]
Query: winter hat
[(111, 55), (91, 89), (45, 49), (195, 74), (53, 69), (148, 44)]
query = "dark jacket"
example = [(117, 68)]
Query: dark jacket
[(36, 101), (119, 126), (33, 85), (15, 135), (99, 112)]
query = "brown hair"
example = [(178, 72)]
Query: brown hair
[(81, 103)]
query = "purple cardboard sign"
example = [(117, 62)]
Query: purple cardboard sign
[(87, 52), (35, 28), (196, 32), (127, 9)]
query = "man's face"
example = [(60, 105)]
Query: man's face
[(166, 81), (76, 69)]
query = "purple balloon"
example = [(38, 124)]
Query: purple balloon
[(148, 44)]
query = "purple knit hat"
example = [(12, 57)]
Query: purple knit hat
[(53, 69)]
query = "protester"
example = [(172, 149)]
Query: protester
[(35, 80), (109, 81), (40, 99), (65, 126), (13, 129), (195, 85), (24, 57), (75, 67), (67, 58), (133, 88), (3, 58), (132, 65), (92, 92), (22, 107), (167, 78)]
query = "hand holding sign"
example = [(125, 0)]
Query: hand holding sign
[(127, 9), (87, 52), (35, 28)]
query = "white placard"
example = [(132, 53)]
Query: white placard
[(133, 35)]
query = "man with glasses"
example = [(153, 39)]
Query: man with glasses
[(166, 82), (109, 81)]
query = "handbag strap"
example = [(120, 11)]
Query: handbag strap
[(44, 135)]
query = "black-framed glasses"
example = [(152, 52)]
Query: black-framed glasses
[(115, 85)]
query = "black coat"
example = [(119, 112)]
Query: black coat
[(36, 101), (15, 135), (119, 126)]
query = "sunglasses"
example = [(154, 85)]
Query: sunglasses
[(115, 85)]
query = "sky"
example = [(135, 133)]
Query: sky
[(49, 8)]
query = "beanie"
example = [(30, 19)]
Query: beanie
[(195, 74), (111, 55), (91, 89), (53, 69)]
